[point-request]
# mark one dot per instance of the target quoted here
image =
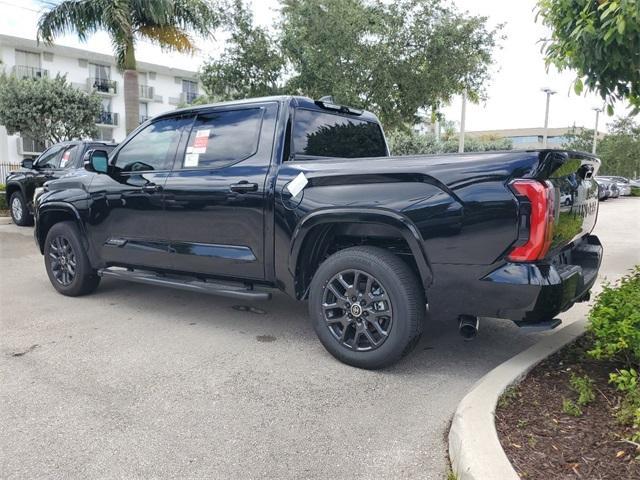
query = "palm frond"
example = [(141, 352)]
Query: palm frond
[(83, 17), (168, 37)]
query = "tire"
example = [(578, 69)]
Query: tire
[(67, 262), (400, 316), (19, 211)]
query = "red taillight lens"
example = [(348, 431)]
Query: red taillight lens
[(541, 198)]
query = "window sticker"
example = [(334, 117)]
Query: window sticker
[(201, 140), (65, 158), (191, 159)]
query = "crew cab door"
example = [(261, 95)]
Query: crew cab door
[(215, 197), (126, 224)]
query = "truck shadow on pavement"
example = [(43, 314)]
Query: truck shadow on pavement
[(441, 349)]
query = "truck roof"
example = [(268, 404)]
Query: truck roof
[(296, 100)]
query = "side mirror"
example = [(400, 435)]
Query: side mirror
[(27, 163), (96, 161)]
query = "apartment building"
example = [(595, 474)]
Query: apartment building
[(162, 88)]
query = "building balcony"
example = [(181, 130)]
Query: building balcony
[(107, 119), (146, 92), (24, 71), (102, 86)]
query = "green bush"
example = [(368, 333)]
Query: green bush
[(413, 143), (614, 321), (3, 198), (583, 386), (626, 381), (635, 191), (570, 408)]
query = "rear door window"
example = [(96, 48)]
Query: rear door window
[(222, 138), (318, 134)]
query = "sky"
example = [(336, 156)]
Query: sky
[(514, 96)]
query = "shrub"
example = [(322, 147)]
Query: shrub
[(614, 321), (626, 381), (583, 386), (570, 408), (413, 143)]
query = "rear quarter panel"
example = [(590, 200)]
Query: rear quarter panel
[(459, 204)]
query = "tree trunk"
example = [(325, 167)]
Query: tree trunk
[(131, 100), (131, 88)]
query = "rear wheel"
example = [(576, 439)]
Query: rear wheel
[(67, 262), (19, 211), (367, 307)]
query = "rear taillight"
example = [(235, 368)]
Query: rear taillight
[(536, 220)]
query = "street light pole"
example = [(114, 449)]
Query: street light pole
[(595, 130), (549, 92), (463, 116)]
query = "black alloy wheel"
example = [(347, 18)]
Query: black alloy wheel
[(63, 260), (357, 310)]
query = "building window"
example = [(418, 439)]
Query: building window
[(100, 77), (144, 112), (189, 90), (104, 134), (28, 65), (31, 145), (526, 139)]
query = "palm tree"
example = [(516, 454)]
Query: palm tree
[(167, 23)]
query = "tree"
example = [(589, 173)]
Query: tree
[(600, 40), (47, 109), (250, 66), (389, 57), (413, 143), (167, 23), (619, 150)]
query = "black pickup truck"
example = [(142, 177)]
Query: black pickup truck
[(287, 193), (56, 161)]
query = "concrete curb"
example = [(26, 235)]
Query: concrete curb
[(474, 448)]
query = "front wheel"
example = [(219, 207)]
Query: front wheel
[(67, 263), (19, 211), (367, 307)]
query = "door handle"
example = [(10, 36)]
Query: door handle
[(243, 187), (151, 188)]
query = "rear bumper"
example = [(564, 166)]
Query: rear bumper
[(523, 292)]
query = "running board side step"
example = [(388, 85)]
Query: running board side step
[(232, 290)]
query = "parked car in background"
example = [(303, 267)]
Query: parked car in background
[(611, 187), (55, 162), (603, 192), (623, 184)]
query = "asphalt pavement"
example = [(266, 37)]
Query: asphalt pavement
[(146, 382)]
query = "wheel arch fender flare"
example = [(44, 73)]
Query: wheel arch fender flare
[(61, 208), (400, 223), (12, 187)]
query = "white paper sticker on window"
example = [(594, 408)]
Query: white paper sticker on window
[(296, 185), (191, 160)]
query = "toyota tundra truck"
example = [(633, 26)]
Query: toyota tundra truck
[(285, 193)]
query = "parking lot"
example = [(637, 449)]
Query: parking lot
[(136, 381)]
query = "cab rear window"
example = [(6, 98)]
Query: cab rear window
[(318, 134)]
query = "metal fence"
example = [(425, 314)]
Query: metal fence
[(5, 168)]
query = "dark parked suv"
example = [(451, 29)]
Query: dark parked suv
[(58, 160), (287, 193)]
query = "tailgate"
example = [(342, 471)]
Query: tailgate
[(576, 194)]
